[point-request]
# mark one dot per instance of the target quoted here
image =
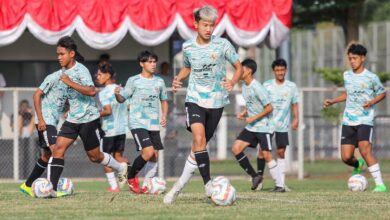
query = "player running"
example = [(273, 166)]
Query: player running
[(145, 93), (205, 58), (83, 116), (114, 122), (363, 91)]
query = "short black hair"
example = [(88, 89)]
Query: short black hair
[(251, 64), (357, 49), (69, 44), (106, 68), (145, 56), (279, 62)]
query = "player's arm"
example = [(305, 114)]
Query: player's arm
[(242, 114), (164, 111), (375, 100), (183, 74), (37, 97), (85, 90), (295, 111), (106, 111), (267, 110), (341, 98)]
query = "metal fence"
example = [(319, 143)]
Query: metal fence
[(316, 138)]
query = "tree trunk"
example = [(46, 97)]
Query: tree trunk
[(351, 29)]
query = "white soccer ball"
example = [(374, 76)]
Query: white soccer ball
[(223, 193), (65, 185), (357, 183), (42, 188), (155, 185)]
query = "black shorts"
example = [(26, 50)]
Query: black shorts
[(90, 133), (145, 138), (208, 117), (354, 134), (254, 138), (281, 139), (113, 144), (47, 137)]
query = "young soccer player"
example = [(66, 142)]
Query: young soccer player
[(205, 57), (114, 122), (49, 103), (363, 91), (284, 99), (83, 116), (145, 92), (258, 129)]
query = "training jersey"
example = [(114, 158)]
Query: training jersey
[(144, 96), (282, 97), (360, 88), (256, 98), (82, 108), (207, 64), (116, 123), (53, 99)]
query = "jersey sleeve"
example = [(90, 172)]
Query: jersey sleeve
[(47, 84), (295, 95), (86, 78), (262, 95), (104, 99), (128, 91), (230, 52), (186, 59), (378, 86), (163, 91)]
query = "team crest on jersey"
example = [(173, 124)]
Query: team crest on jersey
[(214, 56), (157, 90), (363, 85)]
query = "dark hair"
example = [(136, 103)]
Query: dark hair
[(357, 49), (69, 44), (106, 68), (145, 56), (104, 57), (251, 64), (279, 62)]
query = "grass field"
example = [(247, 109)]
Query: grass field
[(321, 196)]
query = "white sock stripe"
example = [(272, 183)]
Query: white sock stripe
[(138, 142), (57, 165), (378, 170), (199, 152), (241, 158), (273, 167), (46, 138), (191, 162), (41, 166)]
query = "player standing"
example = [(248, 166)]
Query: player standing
[(83, 116), (145, 92), (114, 122), (205, 58), (363, 91)]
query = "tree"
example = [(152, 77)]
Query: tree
[(349, 14)]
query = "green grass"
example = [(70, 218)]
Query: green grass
[(313, 198)]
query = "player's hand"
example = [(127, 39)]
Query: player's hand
[(367, 105), (65, 78), (328, 102), (295, 124), (227, 84), (241, 115), (41, 125), (250, 120), (163, 121), (118, 89), (176, 84), (65, 115)]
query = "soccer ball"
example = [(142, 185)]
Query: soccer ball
[(357, 183), (65, 185), (42, 188), (155, 185), (223, 193)]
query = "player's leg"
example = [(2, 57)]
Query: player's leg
[(106, 146), (349, 142), (245, 139), (266, 148), (365, 149), (282, 142), (119, 148), (150, 169)]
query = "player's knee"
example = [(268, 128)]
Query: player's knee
[(95, 158), (281, 154), (267, 156), (199, 140), (235, 150), (148, 153)]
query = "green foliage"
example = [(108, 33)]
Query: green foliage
[(331, 114), (384, 76), (331, 75), (382, 13)]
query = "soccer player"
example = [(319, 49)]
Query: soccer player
[(145, 93), (363, 92), (205, 58), (83, 116), (49, 103), (284, 99), (114, 122), (258, 129)]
